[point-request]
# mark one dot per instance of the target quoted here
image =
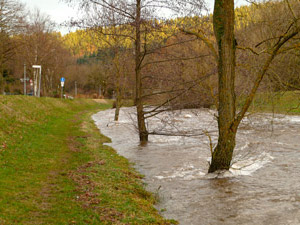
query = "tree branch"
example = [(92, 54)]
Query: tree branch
[(174, 59), (260, 76), (208, 43), (250, 49), (112, 7)]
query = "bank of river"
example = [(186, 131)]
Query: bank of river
[(261, 188)]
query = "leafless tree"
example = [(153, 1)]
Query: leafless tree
[(139, 20), (40, 45), (12, 21), (228, 119)]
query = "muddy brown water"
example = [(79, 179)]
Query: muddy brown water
[(262, 187)]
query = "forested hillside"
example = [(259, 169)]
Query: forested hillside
[(178, 62)]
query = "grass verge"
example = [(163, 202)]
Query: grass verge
[(276, 102), (54, 168)]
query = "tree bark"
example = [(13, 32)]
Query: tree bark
[(223, 21), (1, 84), (118, 97), (143, 133), (2, 81), (118, 86)]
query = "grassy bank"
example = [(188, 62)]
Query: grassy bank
[(54, 168), (276, 102)]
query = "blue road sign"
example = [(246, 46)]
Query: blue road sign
[(62, 79)]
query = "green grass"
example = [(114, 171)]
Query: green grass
[(54, 168), (277, 102)]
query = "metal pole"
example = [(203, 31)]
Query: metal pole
[(34, 83), (75, 89), (37, 80), (40, 78), (24, 78), (61, 94)]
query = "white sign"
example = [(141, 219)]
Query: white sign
[(22, 79), (36, 66), (62, 84)]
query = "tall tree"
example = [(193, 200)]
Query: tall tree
[(228, 119), (125, 13), (12, 21), (136, 16), (223, 22), (40, 45)]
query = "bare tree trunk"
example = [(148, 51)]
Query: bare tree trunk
[(224, 32), (143, 133), (117, 111), (2, 81), (1, 84), (118, 97)]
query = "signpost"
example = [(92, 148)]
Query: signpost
[(62, 84), (37, 91), (22, 79)]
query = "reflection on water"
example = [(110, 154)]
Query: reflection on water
[(262, 187)]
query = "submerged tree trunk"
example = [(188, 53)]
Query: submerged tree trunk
[(118, 96), (143, 133), (228, 121), (118, 104), (118, 88), (224, 32)]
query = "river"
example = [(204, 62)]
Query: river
[(261, 188)]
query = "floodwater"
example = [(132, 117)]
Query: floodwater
[(262, 187)]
